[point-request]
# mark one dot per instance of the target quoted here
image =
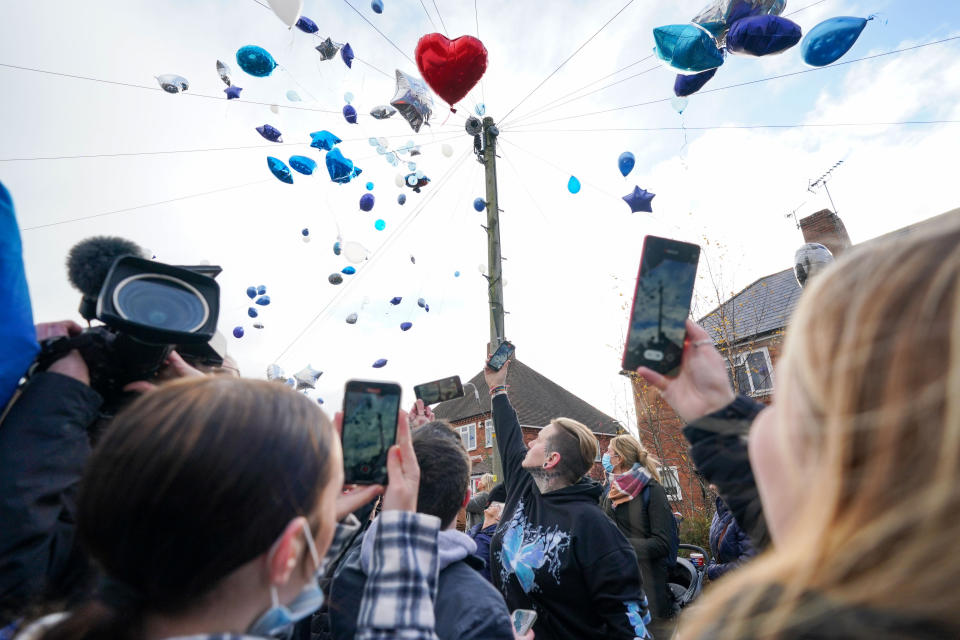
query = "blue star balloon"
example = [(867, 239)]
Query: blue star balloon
[(366, 202), (405, 326), (639, 200), (625, 162), (348, 270), (280, 171), (270, 133), (350, 114), (307, 25), (303, 164), (233, 92), (379, 364), (573, 185), (324, 140), (402, 198), (395, 300), (256, 61), (341, 169), (347, 54)]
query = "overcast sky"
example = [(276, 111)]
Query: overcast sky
[(571, 260)]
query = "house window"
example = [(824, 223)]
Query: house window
[(752, 372), (671, 483), (488, 433), (468, 433)]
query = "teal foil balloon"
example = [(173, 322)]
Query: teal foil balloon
[(303, 164), (341, 169), (280, 170), (573, 185), (256, 61)]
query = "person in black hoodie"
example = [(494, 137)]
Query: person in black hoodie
[(555, 551)]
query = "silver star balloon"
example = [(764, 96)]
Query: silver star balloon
[(307, 378), (224, 70), (327, 49), (382, 112), (412, 99)]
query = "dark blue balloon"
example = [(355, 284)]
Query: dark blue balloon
[(687, 85), (395, 300), (479, 204), (830, 40), (303, 164), (625, 162), (270, 133), (405, 326), (366, 202), (341, 169), (280, 170), (263, 301), (252, 312), (427, 308), (319, 400), (233, 92), (639, 200), (305, 232), (307, 25), (762, 35), (251, 292), (402, 198), (350, 114), (348, 270), (256, 61), (347, 54), (324, 140), (379, 364), (238, 332), (377, 6), (262, 289)]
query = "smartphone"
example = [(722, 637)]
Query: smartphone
[(661, 304), (439, 390), (523, 619), (369, 429), (501, 355)]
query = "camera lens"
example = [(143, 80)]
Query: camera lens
[(162, 302)]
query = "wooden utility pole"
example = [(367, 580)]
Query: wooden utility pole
[(489, 135)]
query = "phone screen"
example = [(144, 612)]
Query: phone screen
[(523, 619), (501, 355), (439, 390), (369, 429), (661, 304)]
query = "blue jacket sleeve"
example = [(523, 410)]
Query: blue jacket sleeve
[(43, 448), (509, 439)]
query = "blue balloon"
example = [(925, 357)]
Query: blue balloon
[(19, 336), (405, 326), (479, 204), (369, 186), (377, 6), (303, 164), (379, 364), (762, 35), (626, 162), (324, 140), (380, 225), (305, 232), (402, 198), (686, 47), (395, 300), (251, 292), (270, 133), (348, 270), (341, 169), (573, 185), (319, 400), (421, 303), (256, 61), (280, 170), (307, 25), (456, 274), (262, 289), (480, 109), (687, 85), (263, 301), (639, 200), (336, 248), (238, 332), (233, 92), (350, 114), (347, 54), (831, 39), (366, 202)]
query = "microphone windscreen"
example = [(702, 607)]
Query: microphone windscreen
[(90, 260)]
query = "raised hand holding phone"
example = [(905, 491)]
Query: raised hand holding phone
[(370, 424), (404, 471)]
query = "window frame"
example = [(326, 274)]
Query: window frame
[(488, 433), (471, 435), (675, 474), (740, 360)]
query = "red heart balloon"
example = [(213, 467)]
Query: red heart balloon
[(451, 67)]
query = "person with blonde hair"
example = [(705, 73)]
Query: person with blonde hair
[(555, 551), (850, 477), (480, 502), (638, 504)]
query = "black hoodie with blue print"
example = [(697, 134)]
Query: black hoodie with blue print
[(558, 554)]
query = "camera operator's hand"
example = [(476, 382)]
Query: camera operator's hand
[(495, 378), (702, 386), (420, 415), (72, 364), (174, 367)]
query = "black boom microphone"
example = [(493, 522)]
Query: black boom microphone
[(88, 263)]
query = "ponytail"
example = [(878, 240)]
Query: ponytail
[(631, 451)]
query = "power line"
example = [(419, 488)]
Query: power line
[(750, 82), (440, 15), (793, 13), (380, 252), (570, 57), (392, 43), (744, 126), (144, 206), (429, 17)]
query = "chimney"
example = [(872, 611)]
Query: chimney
[(827, 228)]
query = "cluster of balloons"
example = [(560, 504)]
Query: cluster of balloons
[(261, 299), (749, 28)]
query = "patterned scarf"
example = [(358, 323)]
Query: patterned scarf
[(627, 486)]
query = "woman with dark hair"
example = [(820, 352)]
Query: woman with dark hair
[(209, 506)]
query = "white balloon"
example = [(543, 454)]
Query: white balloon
[(275, 108), (293, 96), (355, 252), (446, 150), (482, 268), (398, 180), (287, 10)]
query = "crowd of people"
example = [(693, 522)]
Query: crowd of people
[(214, 506)]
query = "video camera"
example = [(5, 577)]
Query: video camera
[(147, 308)]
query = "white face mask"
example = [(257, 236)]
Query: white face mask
[(278, 620)]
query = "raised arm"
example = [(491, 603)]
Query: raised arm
[(506, 424)]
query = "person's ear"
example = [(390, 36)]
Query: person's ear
[(283, 558), (552, 460)]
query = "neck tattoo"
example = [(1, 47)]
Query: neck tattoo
[(547, 479)]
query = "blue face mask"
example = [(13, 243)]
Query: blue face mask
[(278, 620), (605, 461)]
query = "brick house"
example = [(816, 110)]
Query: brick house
[(537, 400), (748, 329)]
